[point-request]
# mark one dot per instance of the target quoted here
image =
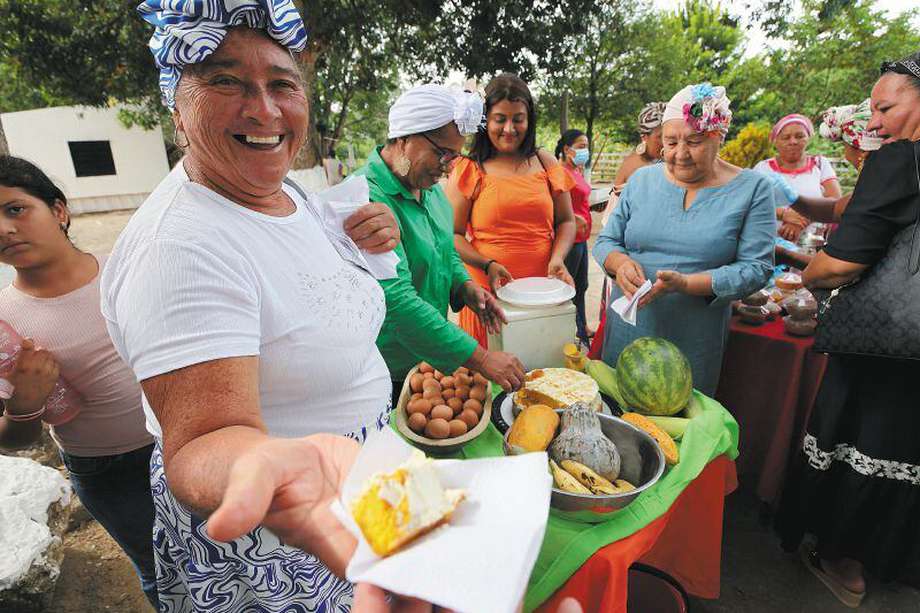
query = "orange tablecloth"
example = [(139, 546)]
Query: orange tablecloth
[(769, 382), (686, 543)]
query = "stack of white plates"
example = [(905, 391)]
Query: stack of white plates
[(536, 292)]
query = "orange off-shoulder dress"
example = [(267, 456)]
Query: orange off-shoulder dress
[(511, 222)]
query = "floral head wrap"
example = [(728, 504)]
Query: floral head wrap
[(848, 123), (650, 117), (188, 31), (428, 107), (805, 122), (703, 107)]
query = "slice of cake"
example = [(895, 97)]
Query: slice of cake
[(558, 388), (397, 507)]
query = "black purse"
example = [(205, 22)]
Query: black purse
[(879, 313)]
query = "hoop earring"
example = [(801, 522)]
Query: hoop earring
[(640, 148), (176, 138), (402, 164)]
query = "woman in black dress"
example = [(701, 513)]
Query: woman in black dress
[(856, 487)]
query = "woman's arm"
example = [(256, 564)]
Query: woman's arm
[(826, 271), (818, 209), (219, 459), (831, 188), (33, 377), (463, 208)]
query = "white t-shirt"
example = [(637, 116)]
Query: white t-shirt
[(195, 277), (807, 180)]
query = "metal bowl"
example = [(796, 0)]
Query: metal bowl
[(642, 464)]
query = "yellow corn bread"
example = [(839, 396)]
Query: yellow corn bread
[(399, 506), (558, 388)]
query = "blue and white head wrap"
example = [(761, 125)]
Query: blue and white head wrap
[(188, 31)]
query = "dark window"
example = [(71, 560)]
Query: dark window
[(92, 158)]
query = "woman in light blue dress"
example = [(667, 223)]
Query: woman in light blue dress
[(700, 229)]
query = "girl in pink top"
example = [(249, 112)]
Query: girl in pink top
[(572, 150), (53, 303)]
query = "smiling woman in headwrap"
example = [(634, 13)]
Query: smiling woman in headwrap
[(700, 229), (217, 294), (427, 125)]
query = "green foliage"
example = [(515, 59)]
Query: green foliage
[(750, 146)]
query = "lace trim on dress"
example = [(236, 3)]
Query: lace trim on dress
[(860, 462)]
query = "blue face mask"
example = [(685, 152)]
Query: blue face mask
[(581, 157)]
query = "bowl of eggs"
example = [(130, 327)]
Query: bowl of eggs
[(440, 413)]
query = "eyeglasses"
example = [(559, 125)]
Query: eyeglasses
[(446, 157)]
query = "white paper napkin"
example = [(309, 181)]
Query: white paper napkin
[(626, 308), (338, 203), (481, 561)]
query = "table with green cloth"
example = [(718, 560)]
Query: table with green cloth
[(675, 525)]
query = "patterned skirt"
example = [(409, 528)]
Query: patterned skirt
[(855, 485), (253, 574)]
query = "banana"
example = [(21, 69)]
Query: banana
[(566, 482), (588, 478), (623, 486), (606, 378)]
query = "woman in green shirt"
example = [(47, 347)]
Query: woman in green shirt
[(427, 125)]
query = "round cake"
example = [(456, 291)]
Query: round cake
[(557, 388)]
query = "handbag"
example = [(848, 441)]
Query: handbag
[(878, 314)]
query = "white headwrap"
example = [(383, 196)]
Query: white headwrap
[(703, 107), (428, 107), (848, 123)]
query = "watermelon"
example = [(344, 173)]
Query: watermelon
[(653, 376)]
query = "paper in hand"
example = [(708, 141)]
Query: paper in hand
[(338, 203), (627, 308), (482, 559)]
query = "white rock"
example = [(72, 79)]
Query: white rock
[(31, 547)]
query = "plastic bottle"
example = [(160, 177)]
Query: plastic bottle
[(63, 403)]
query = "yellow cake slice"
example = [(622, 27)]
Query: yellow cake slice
[(558, 388), (402, 505)]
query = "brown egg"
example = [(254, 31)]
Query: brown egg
[(478, 393), (438, 375), (431, 394), (415, 382), (437, 428), (448, 393), (419, 406), (462, 380), (431, 384), (415, 396), (442, 411), (426, 367), (469, 418), (448, 381), (456, 404), (463, 370), (457, 427), (417, 422), (463, 392), (473, 405), (436, 400), (428, 375), (478, 379)]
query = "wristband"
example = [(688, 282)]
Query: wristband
[(486, 267), (27, 416)]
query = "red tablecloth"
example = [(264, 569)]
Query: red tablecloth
[(769, 382), (686, 543)]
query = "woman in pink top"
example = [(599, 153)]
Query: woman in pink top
[(572, 150), (53, 303)]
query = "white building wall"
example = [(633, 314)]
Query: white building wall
[(41, 136)]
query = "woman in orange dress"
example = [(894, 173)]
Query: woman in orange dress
[(512, 211)]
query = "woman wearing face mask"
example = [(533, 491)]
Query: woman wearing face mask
[(427, 124), (511, 199), (572, 150), (700, 229), (54, 301), (811, 176), (856, 486)]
